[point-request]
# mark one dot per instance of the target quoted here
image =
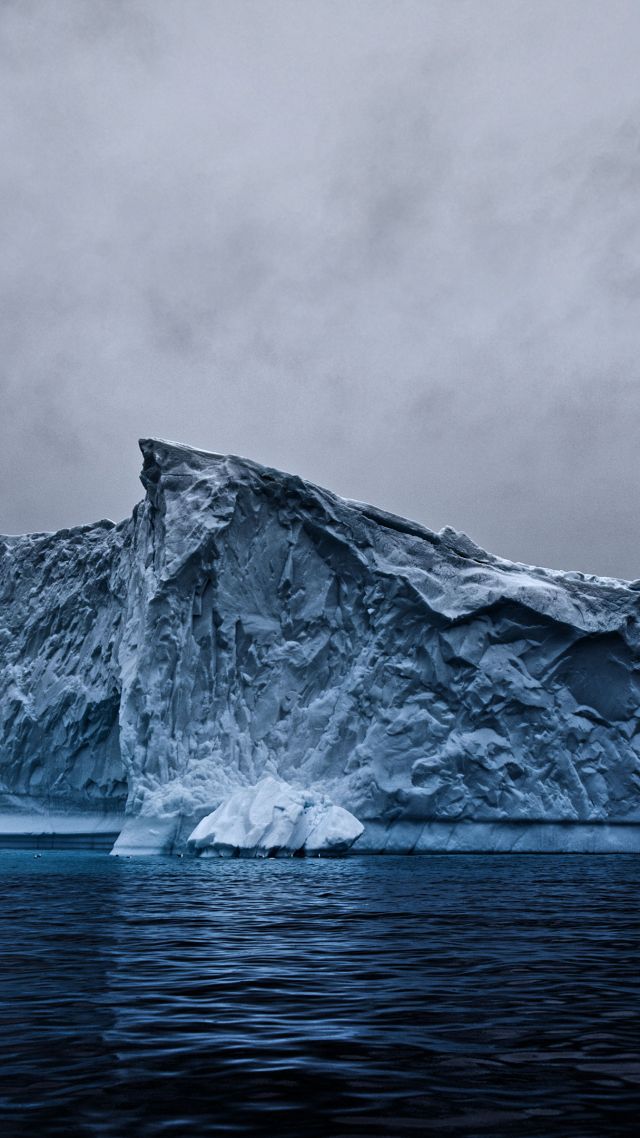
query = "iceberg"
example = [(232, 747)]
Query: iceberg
[(245, 624), (274, 819)]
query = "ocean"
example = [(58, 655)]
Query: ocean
[(444, 995)]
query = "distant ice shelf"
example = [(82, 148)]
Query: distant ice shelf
[(246, 625), (54, 830)]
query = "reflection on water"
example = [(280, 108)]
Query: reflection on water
[(464, 994)]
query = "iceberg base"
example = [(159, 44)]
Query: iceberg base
[(273, 819), (499, 837)]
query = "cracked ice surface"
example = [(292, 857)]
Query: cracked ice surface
[(244, 623)]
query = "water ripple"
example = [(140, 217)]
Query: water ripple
[(475, 995)]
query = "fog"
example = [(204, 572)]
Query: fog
[(391, 246)]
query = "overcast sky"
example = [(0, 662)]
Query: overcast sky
[(391, 246)]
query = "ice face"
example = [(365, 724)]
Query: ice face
[(245, 623), (275, 818), (62, 600)]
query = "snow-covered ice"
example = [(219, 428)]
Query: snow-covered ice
[(274, 818), (244, 623)]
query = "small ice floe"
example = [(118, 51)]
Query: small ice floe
[(274, 819)]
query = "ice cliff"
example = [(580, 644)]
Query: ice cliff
[(245, 623)]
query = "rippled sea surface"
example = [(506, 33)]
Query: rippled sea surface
[(460, 994)]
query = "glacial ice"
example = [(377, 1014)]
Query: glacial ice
[(274, 818), (244, 623)]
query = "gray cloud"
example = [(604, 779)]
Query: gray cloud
[(394, 247)]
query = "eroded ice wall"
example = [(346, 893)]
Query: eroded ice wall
[(245, 622), (61, 604), (409, 674)]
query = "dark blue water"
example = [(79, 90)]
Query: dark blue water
[(475, 995)]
